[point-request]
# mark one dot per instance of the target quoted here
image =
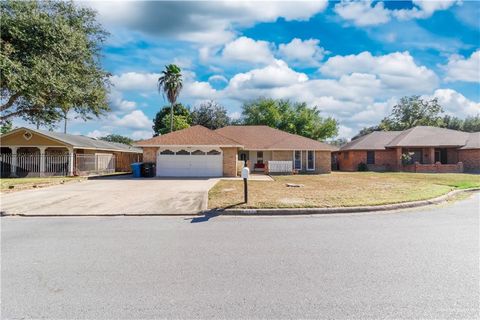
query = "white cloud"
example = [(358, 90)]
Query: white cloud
[(362, 13), (134, 120), (455, 103), (464, 69), (275, 75), (369, 13), (141, 134), (117, 102), (302, 51), (97, 134), (248, 50), (397, 71), (217, 78), (135, 81), (206, 22)]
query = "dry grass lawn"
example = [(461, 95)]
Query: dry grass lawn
[(15, 184), (339, 189)]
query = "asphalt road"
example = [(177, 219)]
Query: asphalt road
[(421, 263)]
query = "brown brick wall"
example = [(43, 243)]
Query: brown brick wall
[(470, 159), (385, 160), (323, 161), (282, 155), (229, 162), (150, 154)]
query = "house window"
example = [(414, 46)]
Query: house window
[(198, 153), (310, 160), (370, 157), (167, 152), (182, 153), (243, 156), (297, 163), (213, 153), (345, 156), (259, 156)]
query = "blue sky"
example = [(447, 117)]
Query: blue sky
[(353, 60)]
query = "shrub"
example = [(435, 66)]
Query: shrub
[(362, 166), (406, 159)]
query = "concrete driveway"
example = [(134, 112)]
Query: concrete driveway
[(116, 195)]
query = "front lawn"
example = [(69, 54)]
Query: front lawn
[(15, 184), (338, 189)]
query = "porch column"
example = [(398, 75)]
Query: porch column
[(42, 160), (13, 165), (398, 156), (431, 155), (70, 161)]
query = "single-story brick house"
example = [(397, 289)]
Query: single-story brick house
[(198, 151), (431, 149), (31, 152)]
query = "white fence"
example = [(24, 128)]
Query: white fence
[(87, 164), (280, 166), (23, 165)]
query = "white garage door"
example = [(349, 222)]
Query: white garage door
[(190, 162)]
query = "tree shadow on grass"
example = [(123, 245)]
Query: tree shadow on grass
[(212, 213)]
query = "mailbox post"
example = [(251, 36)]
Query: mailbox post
[(245, 173)]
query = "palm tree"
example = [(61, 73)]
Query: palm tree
[(170, 84)]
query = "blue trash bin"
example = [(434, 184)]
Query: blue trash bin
[(137, 169)]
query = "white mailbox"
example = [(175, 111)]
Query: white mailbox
[(245, 173)]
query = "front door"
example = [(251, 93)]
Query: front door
[(441, 156)]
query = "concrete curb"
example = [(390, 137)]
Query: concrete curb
[(265, 212)]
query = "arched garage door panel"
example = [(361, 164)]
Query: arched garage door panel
[(189, 164)]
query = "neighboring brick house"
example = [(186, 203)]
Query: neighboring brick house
[(198, 151), (431, 149)]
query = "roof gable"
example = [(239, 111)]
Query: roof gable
[(196, 135)]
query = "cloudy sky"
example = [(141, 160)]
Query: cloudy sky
[(352, 60)]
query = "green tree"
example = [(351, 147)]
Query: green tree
[(472, 124), (450, 122), (161, 125), (368, 130), (118, 138), (210, 114), (6, 126), (50, 57), (413, 111), (170, 84), (295, 118)]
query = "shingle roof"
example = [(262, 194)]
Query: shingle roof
[(473, 141), (429, 136), (267, 138), (373, 141), (82, 142), (193, 136), (421, 136)]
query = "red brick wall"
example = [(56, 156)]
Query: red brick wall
[(470, 159), (385, 160), (434, 168)]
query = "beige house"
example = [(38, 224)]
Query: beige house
[(198, 151), (31, 152)]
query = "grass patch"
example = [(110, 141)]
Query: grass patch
[(15, 184), (339, 189)]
